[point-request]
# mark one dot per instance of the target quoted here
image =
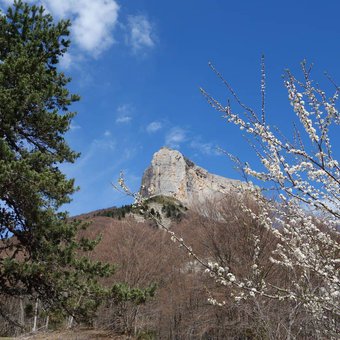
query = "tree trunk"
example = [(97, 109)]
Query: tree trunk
[(47, 321), (35, 316)]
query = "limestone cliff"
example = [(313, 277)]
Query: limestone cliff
[(171, 174)]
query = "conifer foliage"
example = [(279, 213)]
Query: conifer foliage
[(38, 243)]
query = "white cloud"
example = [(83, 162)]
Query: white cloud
[(93, 21), (74, 127), (140, 35), (153, 127), (105, 145), (96, 146), (93, 26), (124, 113), (107, 133), (205, 148), (66, 61), (124, 108), (101, 146), (123, 119), (175, 137)]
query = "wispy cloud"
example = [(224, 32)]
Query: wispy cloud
[(154, 127), (205, 148), (74, 127), (123, 119), (124, 114), (125, 108), (140, 33), (97, 146), (175, 137), (100, 144)]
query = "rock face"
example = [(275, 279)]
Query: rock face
[(171, 174)]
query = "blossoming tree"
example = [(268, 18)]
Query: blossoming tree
[(305, 219)]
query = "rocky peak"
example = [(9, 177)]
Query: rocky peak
[(171, 174)]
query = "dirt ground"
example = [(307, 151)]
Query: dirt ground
[(71, 335)]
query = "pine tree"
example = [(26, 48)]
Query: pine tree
[(38, 243)]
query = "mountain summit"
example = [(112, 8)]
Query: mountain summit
[(171, 174)]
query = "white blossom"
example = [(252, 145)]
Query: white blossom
[(307, 175)]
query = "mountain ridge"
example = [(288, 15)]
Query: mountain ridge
[(172, 174)]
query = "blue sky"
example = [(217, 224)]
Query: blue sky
[(138, 66)]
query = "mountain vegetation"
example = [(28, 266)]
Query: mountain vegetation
[(176, 302)]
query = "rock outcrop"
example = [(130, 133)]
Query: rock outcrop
[(171, 174)]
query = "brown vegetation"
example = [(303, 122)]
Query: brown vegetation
[(145, 256)]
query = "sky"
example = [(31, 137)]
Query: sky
[(138, 67)]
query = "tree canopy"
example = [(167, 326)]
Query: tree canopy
[(39, 243)]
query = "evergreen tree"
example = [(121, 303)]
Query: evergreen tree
[(38, 243)]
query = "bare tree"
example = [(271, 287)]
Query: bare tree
[(305, 219)]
